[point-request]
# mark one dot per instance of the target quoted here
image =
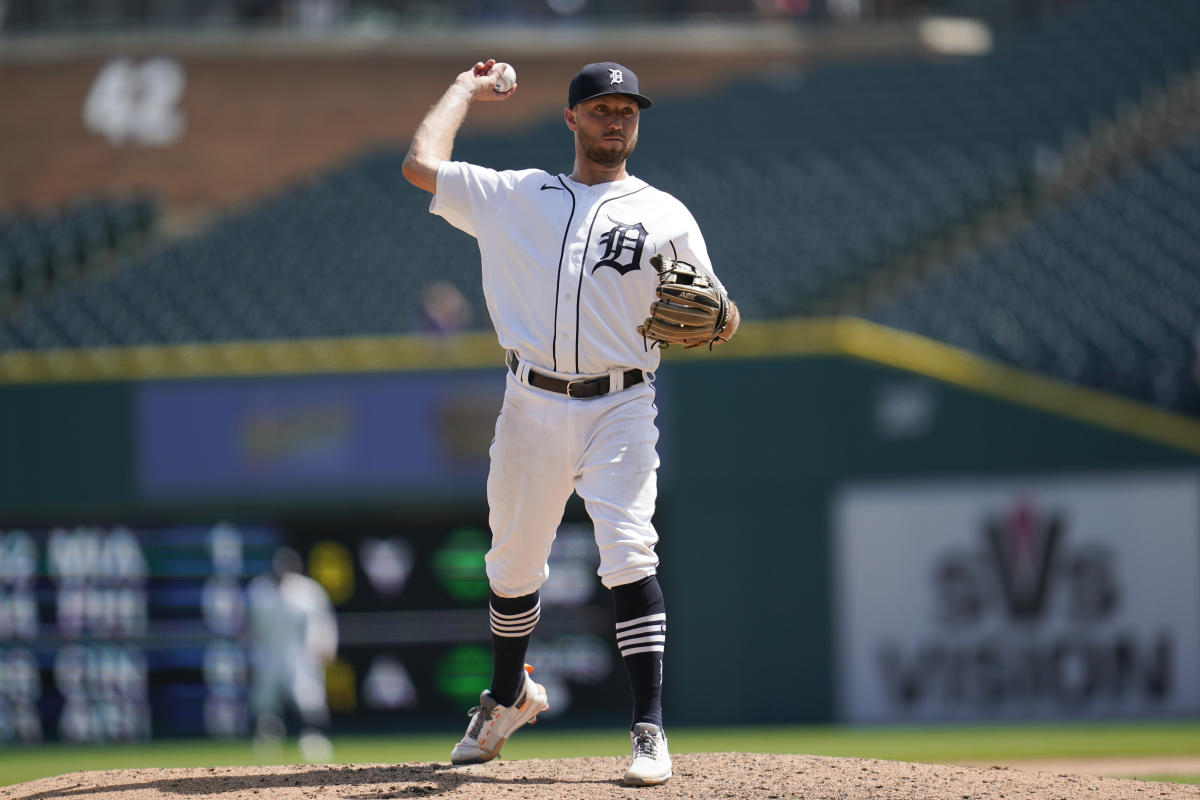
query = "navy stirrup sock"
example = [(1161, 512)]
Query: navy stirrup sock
[(641, 618), (512, 622)]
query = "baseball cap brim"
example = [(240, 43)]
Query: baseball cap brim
[(641, 99)]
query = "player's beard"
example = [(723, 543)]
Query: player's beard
[(605, 153)]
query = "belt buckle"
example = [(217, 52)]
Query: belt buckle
[(579, 381)]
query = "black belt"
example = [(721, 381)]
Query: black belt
[(580, 388)]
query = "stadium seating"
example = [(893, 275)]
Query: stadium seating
[(350, 252), (39, 250), (346, 254), (813, 222), (1078, 66), (804, 184), (1104, 291)]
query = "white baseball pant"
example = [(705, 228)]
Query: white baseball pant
[(548, 445)]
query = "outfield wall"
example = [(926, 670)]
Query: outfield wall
[(781, 445), (857, 525)]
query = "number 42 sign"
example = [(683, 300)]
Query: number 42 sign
[(138, 103)]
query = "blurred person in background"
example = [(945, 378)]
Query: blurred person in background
[(444, 309), (294, 635)]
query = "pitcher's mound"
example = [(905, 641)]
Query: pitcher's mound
[(698, 776)]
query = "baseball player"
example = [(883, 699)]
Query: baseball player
[(294, 634), (572, 267)]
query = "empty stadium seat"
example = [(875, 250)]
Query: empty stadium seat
[(1108, 287), (803, 187)]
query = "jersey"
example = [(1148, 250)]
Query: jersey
[(566, 266)]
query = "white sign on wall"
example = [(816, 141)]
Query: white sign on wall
[(1050, 597), (133, 102)]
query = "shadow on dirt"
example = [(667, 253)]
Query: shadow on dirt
[(374, 782)]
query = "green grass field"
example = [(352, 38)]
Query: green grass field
[(931, 744)]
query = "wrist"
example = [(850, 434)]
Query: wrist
[(464, 89)]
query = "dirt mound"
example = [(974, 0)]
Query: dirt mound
[(703, 776)]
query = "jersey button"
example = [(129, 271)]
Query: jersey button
[(568, 297)]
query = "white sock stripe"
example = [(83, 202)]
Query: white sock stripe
[(495, 620), (499, 620), (643, 640), (508, 626), (535, 611), (639, 631), (653, 648), (642, 620), (513, 635), (513, 630), (515, 626)]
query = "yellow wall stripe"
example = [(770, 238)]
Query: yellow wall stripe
[(858, 338), (845, 336), (292, 357)]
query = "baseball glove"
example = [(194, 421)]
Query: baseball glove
[(690, 310)]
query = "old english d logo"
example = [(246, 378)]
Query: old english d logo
[(622, 247), (1024, 543)]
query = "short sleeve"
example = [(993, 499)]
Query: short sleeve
[(690, 247), (468, 195)]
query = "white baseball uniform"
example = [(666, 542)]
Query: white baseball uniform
[(295, 633), (567, 279)]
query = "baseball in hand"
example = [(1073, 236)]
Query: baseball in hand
[(507, 77)]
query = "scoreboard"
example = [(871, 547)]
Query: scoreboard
[(127, 631)]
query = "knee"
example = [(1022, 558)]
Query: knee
[(509, 580), (627, 574), (627, 561)]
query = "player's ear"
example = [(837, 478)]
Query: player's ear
[(569, 116)]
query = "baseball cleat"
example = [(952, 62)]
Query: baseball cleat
[(651, 761), (491, 723)]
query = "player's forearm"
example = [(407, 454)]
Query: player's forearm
[(434, 140)]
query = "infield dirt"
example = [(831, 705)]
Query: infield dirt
[(698, 776)]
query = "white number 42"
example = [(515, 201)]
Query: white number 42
[(137, 103)]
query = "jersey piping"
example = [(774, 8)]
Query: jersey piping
[(562, 251), (587, 243)]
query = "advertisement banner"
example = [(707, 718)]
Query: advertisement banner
[(1055, 597), (314, 435)]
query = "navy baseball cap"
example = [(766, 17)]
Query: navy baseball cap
[(605, 77)]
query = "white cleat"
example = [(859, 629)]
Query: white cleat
[(651, 761), (491, 723)]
